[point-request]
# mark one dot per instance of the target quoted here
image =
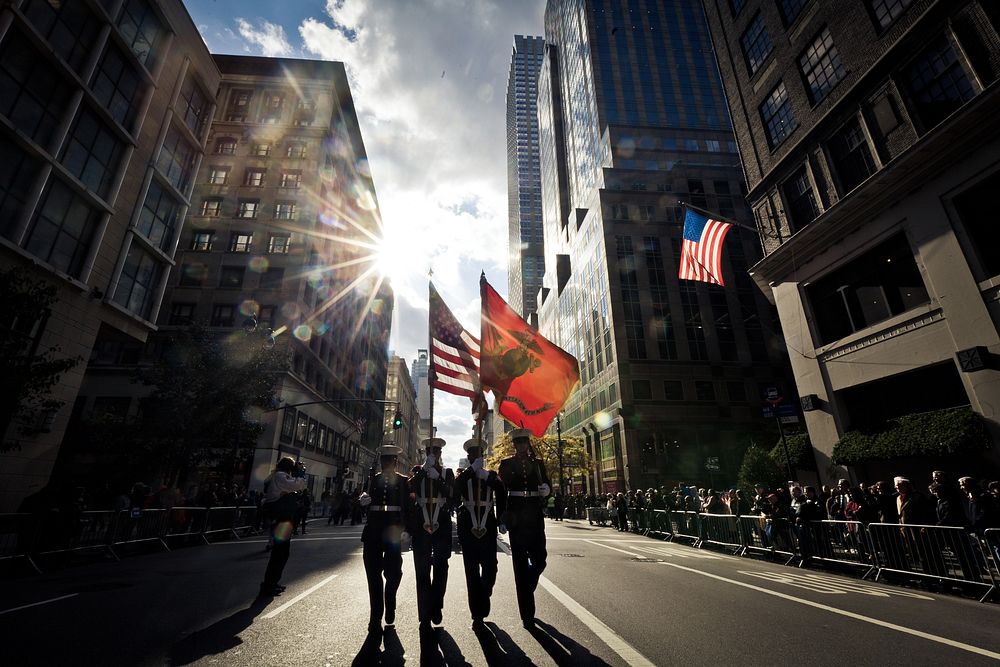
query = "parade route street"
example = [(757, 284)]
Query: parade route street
[(605, 598)]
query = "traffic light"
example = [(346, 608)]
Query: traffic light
[(397, 420)]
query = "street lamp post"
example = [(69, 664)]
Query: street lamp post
[(559, 451)]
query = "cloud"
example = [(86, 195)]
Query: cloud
[(270, 38)]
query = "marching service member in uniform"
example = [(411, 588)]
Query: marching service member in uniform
[(431, 488), (476, 493), (527, 486), (386, 499)]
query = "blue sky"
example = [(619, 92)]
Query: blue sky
[(429, 81)]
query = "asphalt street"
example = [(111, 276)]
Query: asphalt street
[(606, 598)]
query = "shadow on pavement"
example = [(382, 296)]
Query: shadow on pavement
[(563, 650), (218, 637), (498, 647), (438, 649), (370, 652)]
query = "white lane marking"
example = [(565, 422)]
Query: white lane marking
[(627, 553), (626, 651), (35, 604), (843, 612), (831, 585), (298, 597)]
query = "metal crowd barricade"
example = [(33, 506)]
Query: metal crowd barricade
[(685, 525), (845, 542), (659, 523), (765, 536), (244, 519), (18, 533), (945, 553), (135, 525), (991, 540), (186, 522), (723, 530), (92, 530), (598, 515), (220, 520)]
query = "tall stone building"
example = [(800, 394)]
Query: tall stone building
[(524, 185), (278, 239), (104, 111), (402, 399), (869, 139), (632, 119)]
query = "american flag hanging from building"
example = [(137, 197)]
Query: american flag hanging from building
[(455, 352), (359, 424), (701, 248)]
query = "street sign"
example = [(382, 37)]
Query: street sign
[(789, 419), (712, 463), (779, 411), (773, 395)]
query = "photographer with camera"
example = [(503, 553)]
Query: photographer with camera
[(281, 502)]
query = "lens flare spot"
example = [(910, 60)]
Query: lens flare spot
[(283, 531), (315, 279), (602, 420), (303, 332), (363, 168), (331, 220), (249, 307), (259, 264), (290, 310), (322, 328), (324, 292)]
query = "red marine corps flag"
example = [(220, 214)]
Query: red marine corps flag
[(530, 377)]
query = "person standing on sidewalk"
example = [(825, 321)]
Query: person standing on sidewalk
[(527, 487), (431, 489), (280, 504), (476, 492), (383, 537)]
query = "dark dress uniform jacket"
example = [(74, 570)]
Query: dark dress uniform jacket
[(479, 552), (523, 516), (462, 495), (431, 550), (386, 525), (387, 518)]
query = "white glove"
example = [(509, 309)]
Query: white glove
[(365, 500), (404, 541), (432, 472), (545, 490), (479, 466), (502, 528)]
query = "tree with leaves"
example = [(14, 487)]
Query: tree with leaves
[(204, 389), (759, 468), (576, 460), (29, 373)]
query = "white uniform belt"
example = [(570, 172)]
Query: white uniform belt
[(481, 503), (385, 508), (525, 494)]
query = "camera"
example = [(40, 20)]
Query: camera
[(300, 470)]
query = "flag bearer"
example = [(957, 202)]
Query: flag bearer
[(527, 486), (431, 489), (386, 499), (476, 492)]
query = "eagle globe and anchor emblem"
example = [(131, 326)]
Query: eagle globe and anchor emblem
[(511, 363)]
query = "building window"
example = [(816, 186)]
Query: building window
[(284, 211), (881, 283), (63, 228), (248, 208), (887, 11), (737, 6), (641, 390), (218, 175), (271, 278), (142, 30), (288, 425), (225, 146), (262, 150), (211, 208), (240, 242), (70, 28), (977, 210), (181, 313), (673, 390), (278, 244), (851, 156), (177, 158), (291, 179), (737, 392), (821, 66), (158, 217), (696, 191), (118, 87), (790, 10), (704, 390), (202, 241), (301, 427), (193, 275), (254, 177), (756, 44), (239, 104), (33, 96), (194, 106), (936, 82), (92, 153), (305, 111), (619, 211), (296, 149), (273, 105), (265, 317), (801, 199), (231, 276), (223, 315), (137, 286), (776, 112), (17, 171), (697, 345)]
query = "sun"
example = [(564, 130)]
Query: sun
[(393, 259)]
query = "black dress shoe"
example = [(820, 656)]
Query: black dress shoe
[(374, 627), (390, 616), (436, 617), (269, 591), (478, 624), (528, 623)]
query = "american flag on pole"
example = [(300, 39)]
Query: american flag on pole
[(359, 424), (701, 249), (455, 352)]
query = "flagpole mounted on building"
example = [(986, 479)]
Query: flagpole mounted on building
[(730, 221)]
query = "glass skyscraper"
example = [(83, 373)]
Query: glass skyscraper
[(632, 121)]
